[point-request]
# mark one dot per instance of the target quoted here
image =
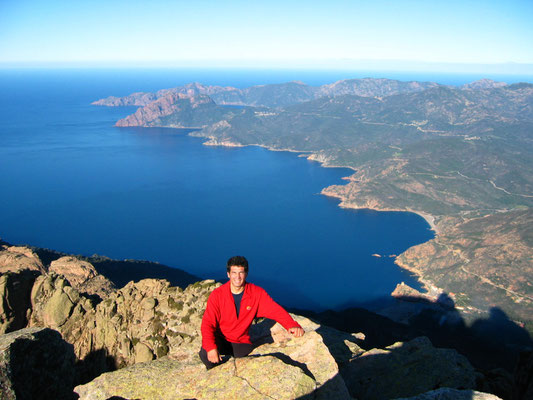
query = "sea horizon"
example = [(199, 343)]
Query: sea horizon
[(245, 76)]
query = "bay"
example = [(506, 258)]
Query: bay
[(73, 182)]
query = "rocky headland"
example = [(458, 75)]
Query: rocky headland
[(68, 332), (461, 157)]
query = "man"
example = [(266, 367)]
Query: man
[(230, 311)]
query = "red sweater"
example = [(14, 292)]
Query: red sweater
[(220, 314)]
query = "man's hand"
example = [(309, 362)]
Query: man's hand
[(213, 356), (296, 332)]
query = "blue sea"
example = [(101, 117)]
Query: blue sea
[(73, 182)]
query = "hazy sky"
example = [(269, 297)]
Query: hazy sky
[(283, 33)]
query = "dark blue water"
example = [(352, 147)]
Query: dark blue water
[(73, 182)]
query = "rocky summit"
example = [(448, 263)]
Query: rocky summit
[(282, 368), (69, 333)]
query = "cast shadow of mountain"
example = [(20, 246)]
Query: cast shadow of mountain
[(495, 345)]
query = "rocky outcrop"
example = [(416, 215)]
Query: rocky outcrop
[(82, 276), (150, 331), (19, 258), (137, 323), (35, 363), (19, 267), (407, 369), (15, 289), (167, 379), (163, 106), (282, 368)]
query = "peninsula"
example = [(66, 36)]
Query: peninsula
[(462, 157)]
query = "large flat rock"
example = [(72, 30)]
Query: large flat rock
[(247, 378)]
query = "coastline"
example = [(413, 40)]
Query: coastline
[(430, 219), (311, 156)]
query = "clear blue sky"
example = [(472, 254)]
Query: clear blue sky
[(265, 33)]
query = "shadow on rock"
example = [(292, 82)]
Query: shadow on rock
[(94, 364), (289, 361), (36, 363), (491, 344)]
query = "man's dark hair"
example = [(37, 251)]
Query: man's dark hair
[(238, 261)]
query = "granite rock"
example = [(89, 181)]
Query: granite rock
[(15, 289), (36, 364), (407, 369), (19, 258), (283, 367), (82, 276)]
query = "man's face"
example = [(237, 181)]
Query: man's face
[(237, 276)]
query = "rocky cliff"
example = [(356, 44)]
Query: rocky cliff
[(166, 105), (146, 335)]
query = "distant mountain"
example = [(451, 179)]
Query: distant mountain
[(483, 84), (460, 157), (143, 99), (274, 95), (372, 87)]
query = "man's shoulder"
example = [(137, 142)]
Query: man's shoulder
[(254, 289), (219, 290)]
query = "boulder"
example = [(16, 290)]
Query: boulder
[(407, 369), (247, 378), (82, 276), (452, 394), (36, 364), (15, 289), (283, 367), (19, 258), (309, 352), (52, 301)]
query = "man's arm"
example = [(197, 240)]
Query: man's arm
[(268, 308), (208, 327)]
